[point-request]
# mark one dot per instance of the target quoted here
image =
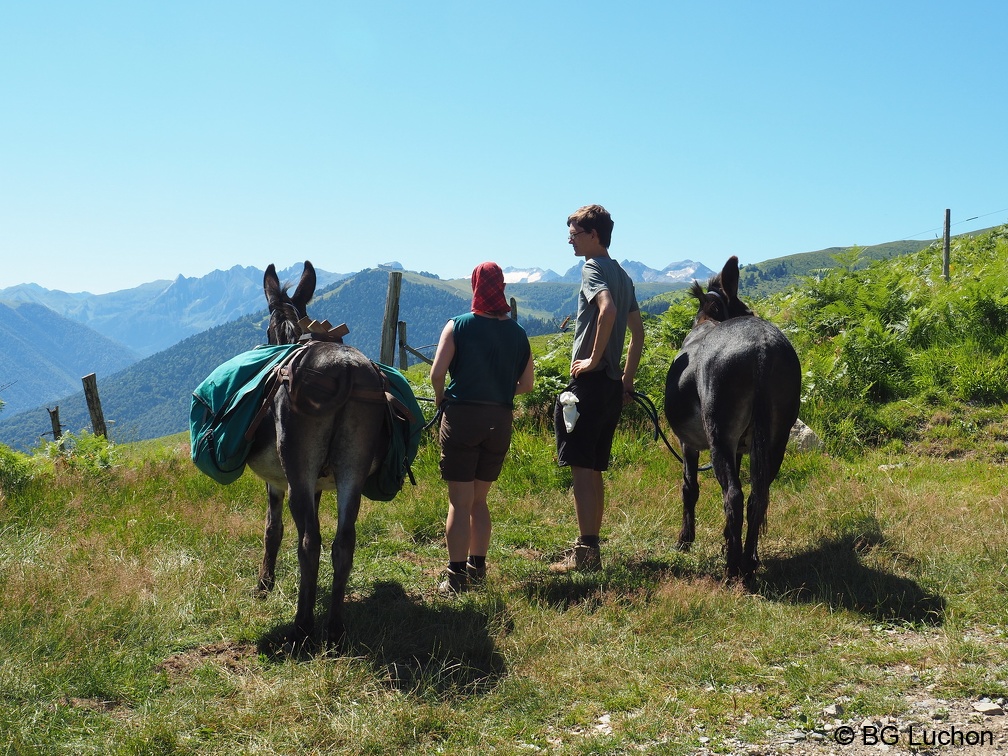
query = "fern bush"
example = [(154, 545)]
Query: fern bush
[(980, 377), (534, 410), (84, 452)]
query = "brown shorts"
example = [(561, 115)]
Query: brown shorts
[(474, 441)]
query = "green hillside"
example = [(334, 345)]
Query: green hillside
[(46, 355), (779, 274), (895, 356), (149, 398)]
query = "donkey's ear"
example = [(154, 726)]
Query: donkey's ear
[(271, 284), (730, 277), (305, 288)]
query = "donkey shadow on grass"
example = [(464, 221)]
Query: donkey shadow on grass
[(436, 648), (832, 572)]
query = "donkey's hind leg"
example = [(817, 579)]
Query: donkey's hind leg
[(351, 456), (725, 463), (272, 537), (765, 462), (690, 494), (343, 547), (756, 509), (304, 503)]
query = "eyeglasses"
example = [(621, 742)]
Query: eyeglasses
[(570, 237)]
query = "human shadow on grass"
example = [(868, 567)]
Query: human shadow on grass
[(618, 580), (833, 573), (444, 648)]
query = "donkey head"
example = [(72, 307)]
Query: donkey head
[(720, 301), (285, 311)]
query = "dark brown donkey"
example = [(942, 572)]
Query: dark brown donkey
[(325, 430), (733, 388)]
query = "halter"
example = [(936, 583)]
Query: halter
[(722, 297)]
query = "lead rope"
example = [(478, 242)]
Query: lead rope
[(648, 406), (649, 409), (437, 415)]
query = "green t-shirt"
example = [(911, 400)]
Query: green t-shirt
[(490, 356)]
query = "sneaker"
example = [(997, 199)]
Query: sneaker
[(580, 558), (454, 582), (476, 575)]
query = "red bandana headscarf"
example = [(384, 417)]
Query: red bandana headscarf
[(488, 289)]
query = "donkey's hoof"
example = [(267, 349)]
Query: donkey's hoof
[(684, 546), (335, 637), (301, 632), (749, 567), (299, 646), (266, 583), (733, 572)]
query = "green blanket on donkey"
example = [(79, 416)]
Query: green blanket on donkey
[(226, 402)]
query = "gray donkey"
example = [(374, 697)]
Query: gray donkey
[(325, 429), (733, 388)]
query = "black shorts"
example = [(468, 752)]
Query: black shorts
[(474, 439), (600, 403)]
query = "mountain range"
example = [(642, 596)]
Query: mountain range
[(149, 348), (675, 273), (155, 315)]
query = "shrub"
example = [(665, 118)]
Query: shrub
[(981, 377), (876, 360), (85, 451), (15, 471)]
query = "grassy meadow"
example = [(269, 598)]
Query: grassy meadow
[(128, 622)]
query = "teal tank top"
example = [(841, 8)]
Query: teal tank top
[(490, 356)]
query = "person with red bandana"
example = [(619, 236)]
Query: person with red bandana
[(490, 361)]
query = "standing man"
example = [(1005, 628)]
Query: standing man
[(607, 307)]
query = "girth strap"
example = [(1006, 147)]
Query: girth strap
[(279, 374), (383, 395), (284, 372)]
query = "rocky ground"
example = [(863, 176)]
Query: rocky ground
[(930, 726)]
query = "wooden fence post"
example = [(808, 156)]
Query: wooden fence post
[(94, 404), (945, 248), (514, 309), (391, 318), (57, 431), (402, 345)]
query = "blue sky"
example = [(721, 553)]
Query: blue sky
[(142, 140)]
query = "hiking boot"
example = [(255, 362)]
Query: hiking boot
[(454, 582), (476, 575), (580, 558)]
